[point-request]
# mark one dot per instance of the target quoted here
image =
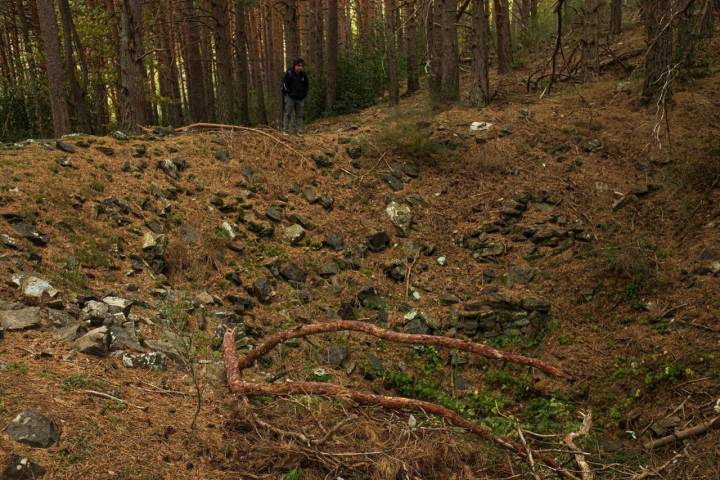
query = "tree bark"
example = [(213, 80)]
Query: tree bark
[(391, 49), (450, 71), (32, 66), (658, 31), (77, 92), (413, 81), (434, 40), (616, 17), (241, 64), (53, 66), (197, 99), (223, 61), (207, 57), (332, 56), (591, 33), (292, 34), (167, 67), (132, 88), (255, 51), (480, 45), (502, 26)]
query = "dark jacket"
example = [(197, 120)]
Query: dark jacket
[(295, 85)]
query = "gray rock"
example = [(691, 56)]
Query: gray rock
[(64, 147), (411, 170), (154, 251), (34, 287), (22, 319), (223, 155), (21, 468), (124, 337), (262, 289), (334, 240), (95, 342), (401, 216), (378, 241), (107, 151), (169, 168), (275, 213), (395, 183), (294, 234), (623, 201), (120, 136), (118, 305), (328, 269), (395, 270), (322, 161), (95, 313), (299, 220), (309, 194), (33, 428), (354, 152), (337, 355), (416, 326), (9, 241), (28, 232), (150, 360), (293, 274)]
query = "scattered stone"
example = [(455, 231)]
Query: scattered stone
[(395, 270), (229, 230), (65, 162), (294, 234), (169, 168), (262, 289), (337, 355), (378, 241), (33, 428), (441, 260), (592, 146), (328, 269), (334, 241), (623, 201), (374, 368), (293, 274), (21, 468), (322, 161), (107, 151), (95, 313), (411, 170), (299, 220), (395, 183), (28, 232), (401, 216), (64, 147), (150, 360), (275, 214), (9, 241), (95, 342), (327, 201), (118, 305), (120, 136), (34, 287), (154, 251), (22, 319), (309, 194), (354, 152), (369, 298)]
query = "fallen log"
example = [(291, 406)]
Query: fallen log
[(683, 434)]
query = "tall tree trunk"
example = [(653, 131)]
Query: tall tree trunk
[(450, 71), (591, 33), (710, 10), (480, 41), (77, 92), (32, 67), (223, 61), (292, 34), (688, 33), (391, 49), (198, 102), (206, 58), (502, 26), (53, 66), (332, 56), (616, 17), (367, 25), (168, 71), (256, 65), (413, 81), (241, 64), (434, 40), (133, 106), (658, 33)]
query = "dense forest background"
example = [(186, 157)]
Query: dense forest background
[(101, 65)]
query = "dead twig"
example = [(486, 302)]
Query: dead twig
[(683, 434), (528, 451), (116, 399), (656, 471), (579, 455)]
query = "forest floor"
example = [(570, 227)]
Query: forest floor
[(566, 203)]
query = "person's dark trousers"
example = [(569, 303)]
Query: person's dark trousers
[(296, 107)]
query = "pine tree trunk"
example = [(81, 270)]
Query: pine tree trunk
[(257, 71), (168, 71), (502, 26), (223, 61), (658, 34), (79, 94), (591, 33), (413, 81), (197, 99), (391, 49), (32, 67), (367, 25), (435, 48), (133, 106), (207, 58), (53, 66), (616, 17), (292, 34), (241, 64), (332, 56), (480, 44), (450, 71)]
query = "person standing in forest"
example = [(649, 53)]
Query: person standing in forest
[(294, 88)]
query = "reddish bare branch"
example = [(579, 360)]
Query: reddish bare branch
[(234, 368), (364, 327)]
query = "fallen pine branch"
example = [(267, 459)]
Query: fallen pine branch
[(370, 329), (683, 434), (579, 455), (116, 399), (234, 368), (221, 126)]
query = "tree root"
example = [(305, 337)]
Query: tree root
[(234, 368), (370, 329)]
